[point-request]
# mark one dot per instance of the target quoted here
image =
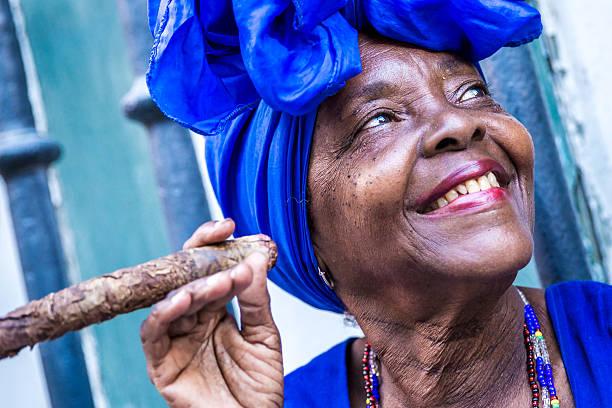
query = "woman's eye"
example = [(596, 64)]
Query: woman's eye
[(474, 92), (377, 121)]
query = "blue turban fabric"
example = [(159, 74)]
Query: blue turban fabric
[(250, 74)]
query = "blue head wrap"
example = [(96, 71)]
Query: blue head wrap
[(251, 74)]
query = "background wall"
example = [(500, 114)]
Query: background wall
[(108, 206), (579, 55)]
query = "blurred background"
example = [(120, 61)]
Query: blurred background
[(94, 178)]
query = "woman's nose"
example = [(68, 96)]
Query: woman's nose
[(452, 130)]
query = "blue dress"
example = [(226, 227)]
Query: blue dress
[(581, 313)]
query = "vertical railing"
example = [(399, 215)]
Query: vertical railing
[(559, 250), (24, 160), (176, 167)]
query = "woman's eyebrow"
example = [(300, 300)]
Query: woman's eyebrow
[(453, 66), (374, 90), (370, 92)]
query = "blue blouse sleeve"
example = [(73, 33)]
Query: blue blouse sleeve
[(581, 313), (320, 383)]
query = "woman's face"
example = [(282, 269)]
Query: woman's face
[(392, 157)]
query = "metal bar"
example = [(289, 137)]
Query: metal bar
[(24, 159), (176, 167), (559, 249)]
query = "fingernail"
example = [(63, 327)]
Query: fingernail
[(226, 221), (178, 297)]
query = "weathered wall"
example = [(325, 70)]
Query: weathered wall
[(577, 38)]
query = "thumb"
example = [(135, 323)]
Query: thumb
[(255, 314)]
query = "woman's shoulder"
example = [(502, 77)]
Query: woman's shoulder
[(584, 303), (581, 314), (322, 382)]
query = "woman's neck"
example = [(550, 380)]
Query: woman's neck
[(469, 355)]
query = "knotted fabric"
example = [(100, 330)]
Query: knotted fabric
[(250, 75)]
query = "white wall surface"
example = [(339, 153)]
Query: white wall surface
[(21, 378)]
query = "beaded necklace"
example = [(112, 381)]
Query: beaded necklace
[(535, 346)]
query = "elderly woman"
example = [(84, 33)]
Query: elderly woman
[(362, 138)]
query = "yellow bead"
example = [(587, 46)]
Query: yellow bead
[(367, 401), (538, 334)]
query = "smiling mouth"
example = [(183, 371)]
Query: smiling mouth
[(471, 186)]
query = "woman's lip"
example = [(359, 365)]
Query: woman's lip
[(480, 201), (471, 170)]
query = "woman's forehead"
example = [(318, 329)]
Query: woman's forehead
[(384, 56), (390, 66)]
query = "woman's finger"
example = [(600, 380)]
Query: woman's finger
[(210, 232), (256, 319), (210, 293), (202, 308), (154, 330), (183, 325), (241, 276)]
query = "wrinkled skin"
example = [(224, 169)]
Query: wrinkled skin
[(196, 356), (431, 291), (372, 177)]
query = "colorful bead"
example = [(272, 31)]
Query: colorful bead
[(536, 346), (370, 378)]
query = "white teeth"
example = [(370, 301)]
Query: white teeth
[(492, 179), (471, 186), (483, 182), (451, 195)]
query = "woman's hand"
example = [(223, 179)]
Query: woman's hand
[(197, 356)]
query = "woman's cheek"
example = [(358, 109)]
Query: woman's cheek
[(517, 143), (374, 196), (514, 138)]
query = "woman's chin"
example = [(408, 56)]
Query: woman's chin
[(489, 257)]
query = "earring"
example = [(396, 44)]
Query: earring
[(327, 279)]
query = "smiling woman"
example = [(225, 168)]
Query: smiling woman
[(363, 139), (382, 181)]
